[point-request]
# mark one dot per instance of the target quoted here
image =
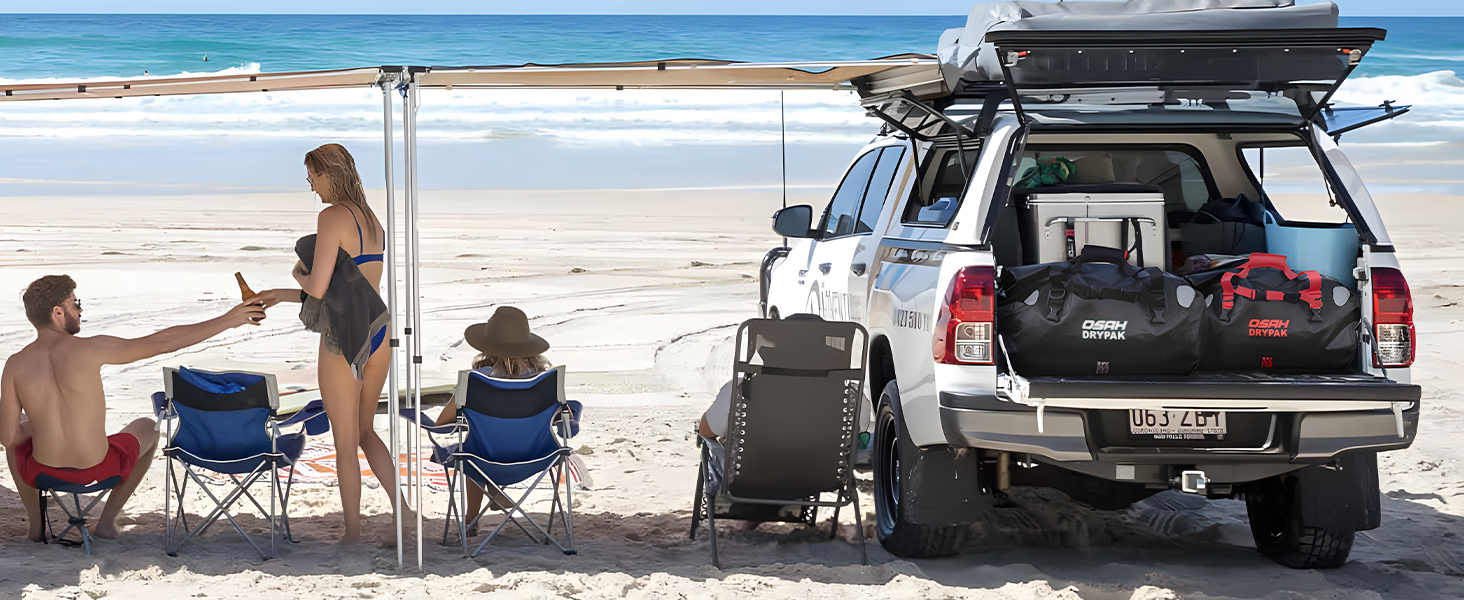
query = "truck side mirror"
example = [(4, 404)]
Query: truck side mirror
[(794, 221)]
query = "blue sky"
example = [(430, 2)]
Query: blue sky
[(760, 7)]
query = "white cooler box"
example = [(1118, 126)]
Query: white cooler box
[(1099, 220)]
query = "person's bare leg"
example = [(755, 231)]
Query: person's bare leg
[(146, 432), (475, 504), (448, 414), (28, 495), (377, 454), (339, 392)]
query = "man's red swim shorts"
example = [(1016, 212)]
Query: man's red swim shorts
[(122, 452)]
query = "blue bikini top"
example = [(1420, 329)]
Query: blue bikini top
[(362, 259)]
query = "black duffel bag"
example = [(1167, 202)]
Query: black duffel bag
[(1098, 315), (1265, 317)]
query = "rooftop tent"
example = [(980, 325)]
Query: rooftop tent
[(1262, 63), (967, 53)]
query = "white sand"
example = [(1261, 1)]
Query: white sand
[(644, 330)]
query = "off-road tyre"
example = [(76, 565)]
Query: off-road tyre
[(892, 480), (1282, 533)]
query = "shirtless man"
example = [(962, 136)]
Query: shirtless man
[(56, 383)]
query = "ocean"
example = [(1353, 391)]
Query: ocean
[(525, 139)]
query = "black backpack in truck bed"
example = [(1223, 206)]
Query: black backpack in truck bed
[(1098, 315), (1266, 317)]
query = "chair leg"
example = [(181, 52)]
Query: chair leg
[(712, 531), (46, 531), (463, 523), (697, 500), (568, 508), (167, 503), (274, 494), (451, 516), (285, 506), (859, 523), (834, 524)]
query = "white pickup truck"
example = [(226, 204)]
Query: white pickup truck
[(913, 241)]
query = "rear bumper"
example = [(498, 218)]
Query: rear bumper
[(1312, 421)]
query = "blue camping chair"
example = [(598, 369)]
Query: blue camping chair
[(508, 431), (226, 423), (61, 491)]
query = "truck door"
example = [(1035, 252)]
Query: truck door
[(828, 295), (841, 256), (891, 175)]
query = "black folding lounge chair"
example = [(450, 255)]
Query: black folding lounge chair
[(792, 427)]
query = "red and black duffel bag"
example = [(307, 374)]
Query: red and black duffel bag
[(1266, 317), (1098, 315)]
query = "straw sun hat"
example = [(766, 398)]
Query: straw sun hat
[(505, 334)]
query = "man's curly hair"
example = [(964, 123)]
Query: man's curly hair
[(44, 294)]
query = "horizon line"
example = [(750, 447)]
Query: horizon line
[(451, 14)]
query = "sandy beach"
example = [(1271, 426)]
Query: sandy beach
[(638, 291)]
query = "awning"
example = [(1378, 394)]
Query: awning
[(915, 72), (907, 71), (174, 86)]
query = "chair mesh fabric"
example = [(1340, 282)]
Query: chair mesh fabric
[(255, 395), (793, 417), (791, 437), (512, 398)]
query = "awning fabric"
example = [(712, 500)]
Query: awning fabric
[(211, 84), (869, 76), (919, 73)]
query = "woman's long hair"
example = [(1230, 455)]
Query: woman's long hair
[(336, 164), (513, 367)]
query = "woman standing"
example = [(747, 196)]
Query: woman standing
[(339, 275)]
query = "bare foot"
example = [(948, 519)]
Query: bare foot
[(36, 534), (106, 531), (350, 536)]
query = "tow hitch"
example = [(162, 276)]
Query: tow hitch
[(1193, 482)]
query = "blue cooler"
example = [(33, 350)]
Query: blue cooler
[(1329, 249)]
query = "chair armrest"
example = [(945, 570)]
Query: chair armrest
[(310, 415), (575, 410), (427, 423), (160, 404)]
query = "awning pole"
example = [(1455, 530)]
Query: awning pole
[(410, 304), (413, 204), (393, 399)]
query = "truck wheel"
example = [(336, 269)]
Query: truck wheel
[(1308, 519), (897, 487)]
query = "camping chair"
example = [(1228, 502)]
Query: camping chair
[(61, 491), (227, 424), (508, 431), (792, 427)]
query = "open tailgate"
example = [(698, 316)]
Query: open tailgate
[(1261, 77)]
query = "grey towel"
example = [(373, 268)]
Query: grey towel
[(350, 314)]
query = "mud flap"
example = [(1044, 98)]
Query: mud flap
[(1342, 495), (944, 487)]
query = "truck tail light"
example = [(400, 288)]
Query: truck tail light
[(1392, 319), (965, 333)]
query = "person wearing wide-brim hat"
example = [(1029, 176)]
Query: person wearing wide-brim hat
[(507, 350)]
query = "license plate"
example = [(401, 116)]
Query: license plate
[(1176, 424)]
